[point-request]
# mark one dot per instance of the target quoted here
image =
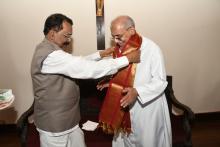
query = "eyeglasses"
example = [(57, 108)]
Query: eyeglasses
[(119, 36), (68, 36)]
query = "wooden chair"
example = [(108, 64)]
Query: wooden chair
[(181, 125)]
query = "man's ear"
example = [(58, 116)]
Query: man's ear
[(51, 34), (132, 30)]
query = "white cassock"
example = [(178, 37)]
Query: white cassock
[(150, 120)]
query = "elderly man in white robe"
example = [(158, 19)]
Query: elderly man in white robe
[(149, 115)]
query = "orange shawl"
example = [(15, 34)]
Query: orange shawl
[(113, 118)]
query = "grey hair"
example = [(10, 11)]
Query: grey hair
[(124, 20), (129, 22)]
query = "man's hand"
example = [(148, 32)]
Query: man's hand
[(134, 57), (100, 87), (107, 52), (130, 95)]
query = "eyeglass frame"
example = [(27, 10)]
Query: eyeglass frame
[(68, 36), (119, 36)]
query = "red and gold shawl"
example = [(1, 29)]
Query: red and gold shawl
[(113, 118)]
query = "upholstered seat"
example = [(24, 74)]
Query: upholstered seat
[(181, 124)]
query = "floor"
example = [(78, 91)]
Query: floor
[(204, 134)]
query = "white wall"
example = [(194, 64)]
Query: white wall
[(188, 33)]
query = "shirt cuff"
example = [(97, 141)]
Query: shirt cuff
[(122, 61), (95, 56)]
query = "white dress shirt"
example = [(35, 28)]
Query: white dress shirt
[(79, 67)]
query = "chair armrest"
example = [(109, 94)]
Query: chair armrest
[(186, 110), (188, 115), (22, 125)]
